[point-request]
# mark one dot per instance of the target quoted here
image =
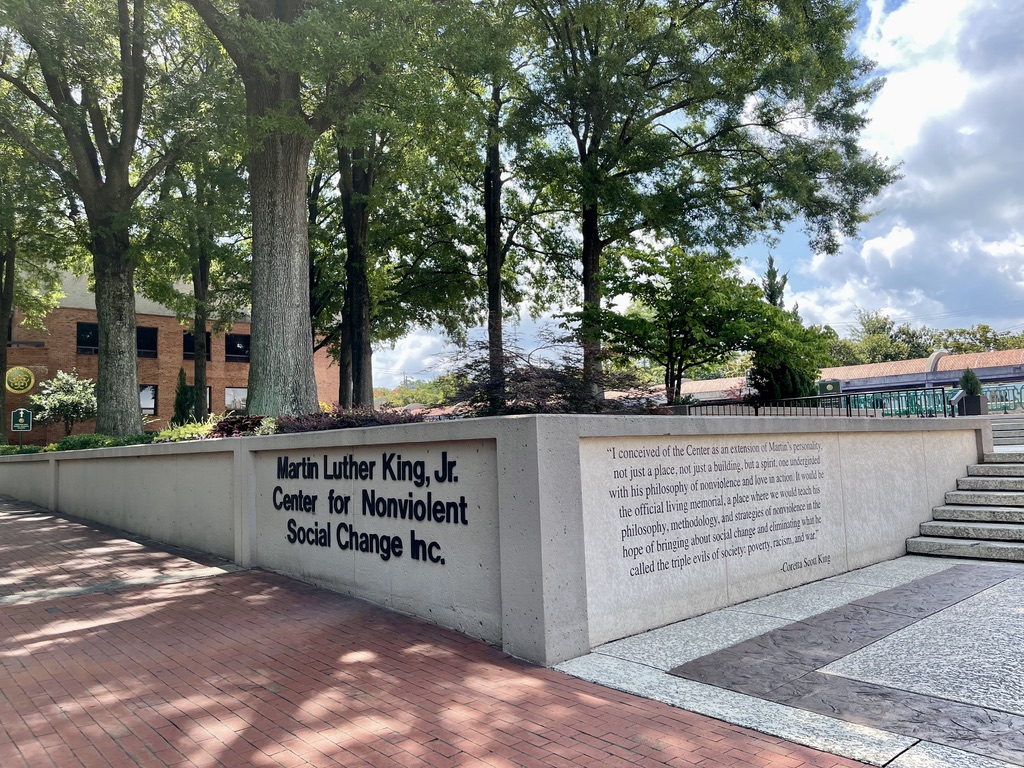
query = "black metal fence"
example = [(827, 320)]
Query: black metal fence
[(904, 403)]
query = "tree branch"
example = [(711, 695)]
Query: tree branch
[(47, 160)]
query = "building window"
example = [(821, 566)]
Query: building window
[(145, 342), (236, 348), (188, 343), (87, 338), (147, 399), (234, 398)]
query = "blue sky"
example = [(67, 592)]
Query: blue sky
[(946, 245)]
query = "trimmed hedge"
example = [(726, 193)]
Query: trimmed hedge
[(82, 442)]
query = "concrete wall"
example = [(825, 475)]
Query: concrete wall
[(677, 526), (514, 530)]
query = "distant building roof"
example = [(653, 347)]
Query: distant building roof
[(876, 370), (939, 361), (975, 360), (711, 385), (940, 369)]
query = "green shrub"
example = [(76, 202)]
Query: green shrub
[(65, 399), (82, 442), (194, 430), (184, 402), (970, 383), (13, 450)]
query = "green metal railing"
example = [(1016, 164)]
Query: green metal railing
[(904, 403), (1004, 398)]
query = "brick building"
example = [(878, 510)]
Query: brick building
[(71, 341)]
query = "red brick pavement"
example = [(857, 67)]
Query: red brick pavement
[(254, 669)]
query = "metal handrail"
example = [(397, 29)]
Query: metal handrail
[(902, 403), (1004, 397)]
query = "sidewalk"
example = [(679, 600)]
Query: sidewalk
[(913, 663), (115, 653)]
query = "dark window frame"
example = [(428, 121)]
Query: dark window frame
[(87, 349), (146, 335), (233, 341), (188, 340)]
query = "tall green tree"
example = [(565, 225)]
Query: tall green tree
[(305, 66), (786, 357), (880, 340), (387, 229), (92, 72), (34, 230), (267, 41), (689, 310), (773, 285), (194, 257), (703, 121), (490, 76)]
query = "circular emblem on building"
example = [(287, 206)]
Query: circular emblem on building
[(19, 380)]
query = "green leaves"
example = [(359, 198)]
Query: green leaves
[(66, 399), (689, 309)]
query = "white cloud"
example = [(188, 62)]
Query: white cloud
[(420, 355), (887, 246), (946, 247)]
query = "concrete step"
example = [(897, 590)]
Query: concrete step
[(986, 498), (979, 514), (1007, 440), (996, 470), (973, 530), (990, 484), (972, 548), (1009, 457)]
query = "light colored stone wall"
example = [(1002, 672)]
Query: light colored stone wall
[(526, 547), (410, 526), (679, 525)]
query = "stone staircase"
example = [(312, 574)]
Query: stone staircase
[(983, 518), (1008, 429)]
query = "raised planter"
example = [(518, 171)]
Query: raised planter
[(972, 405)]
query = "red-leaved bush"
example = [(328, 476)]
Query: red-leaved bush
[(337, 418)]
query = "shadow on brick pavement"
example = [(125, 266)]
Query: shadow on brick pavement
[(116, 652)]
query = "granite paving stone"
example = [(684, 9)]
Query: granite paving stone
[(670, 646), (927, 755), (965, 653), (859, 742)]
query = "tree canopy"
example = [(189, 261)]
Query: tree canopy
[(363, 167)]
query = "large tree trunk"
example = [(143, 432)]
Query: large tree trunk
[(7, 274), (117, 385), (356, 183), (590, 333), (281, 380), (494, 256), (345, 367), (201, 292)]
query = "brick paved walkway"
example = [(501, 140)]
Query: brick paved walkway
[(116, 654)]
